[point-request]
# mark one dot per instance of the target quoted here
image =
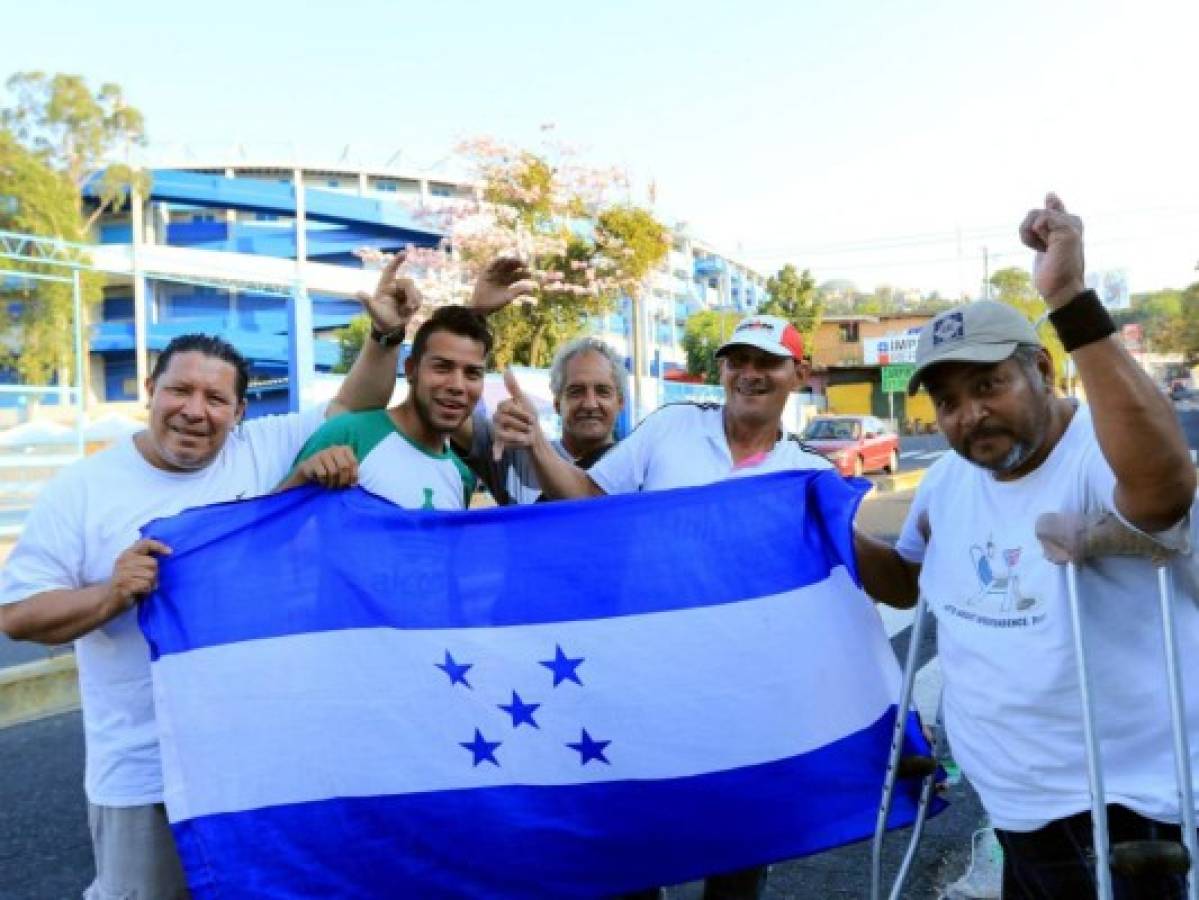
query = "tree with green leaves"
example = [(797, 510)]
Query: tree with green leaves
[(350, 340), (702, 337), (38, 200), (794, 297), (1172, 323), (1014, 287), (57, 122), (1158, 313), (586, 251), (77, 132)]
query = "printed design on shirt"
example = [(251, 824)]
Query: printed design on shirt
[(998, 573), (428, 504)]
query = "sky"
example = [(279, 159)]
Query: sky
[(879, 142)]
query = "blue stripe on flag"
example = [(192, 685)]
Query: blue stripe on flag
[(494, 842), (588, 559)]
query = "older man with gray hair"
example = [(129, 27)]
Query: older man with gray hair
[(589, 385)]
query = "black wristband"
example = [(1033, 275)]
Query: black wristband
[(388, 338), (1082, 321)]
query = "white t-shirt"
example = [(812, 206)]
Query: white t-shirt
[(1012, 705), (392, 465), (684, 445), (83, 520)]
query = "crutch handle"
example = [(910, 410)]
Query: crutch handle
[(915, 766), (1135, 858), (1070, 538)]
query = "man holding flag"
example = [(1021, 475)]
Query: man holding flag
[(1012, 697), (80, 567), (589, 385), (686, 444), (508, 713), (367, 701)]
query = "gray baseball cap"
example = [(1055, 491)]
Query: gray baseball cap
[(979, 332)]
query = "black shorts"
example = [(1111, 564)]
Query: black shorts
[(1057, 862)]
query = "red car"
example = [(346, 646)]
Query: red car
[(855, 444)]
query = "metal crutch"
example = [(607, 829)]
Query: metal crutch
[(1068, 541), (899, 766)]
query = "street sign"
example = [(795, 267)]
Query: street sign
[(895, 378)]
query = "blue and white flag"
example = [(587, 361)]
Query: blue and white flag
[(560, 700)]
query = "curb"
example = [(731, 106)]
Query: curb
[(902, 481), (34, 690)]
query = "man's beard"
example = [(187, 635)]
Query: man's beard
[(1015, 458), (1020, 452)]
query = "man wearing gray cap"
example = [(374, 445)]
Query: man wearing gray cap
[(1011, 700)]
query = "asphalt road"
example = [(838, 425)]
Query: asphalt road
[(45, 852), (920, 451), (1188, 416)]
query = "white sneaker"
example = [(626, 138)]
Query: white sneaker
[(984, 879)]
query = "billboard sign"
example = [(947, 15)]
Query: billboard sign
[(1112, 287), (890, 349)]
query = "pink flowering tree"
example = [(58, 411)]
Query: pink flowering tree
[(558, 214)]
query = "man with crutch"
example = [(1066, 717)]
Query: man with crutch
[(1012, 697)]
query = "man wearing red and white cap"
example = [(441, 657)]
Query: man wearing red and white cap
[(691, 444)]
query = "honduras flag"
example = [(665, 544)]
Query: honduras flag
[(561, 700)]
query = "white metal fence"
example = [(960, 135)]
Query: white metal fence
[(40, 432)]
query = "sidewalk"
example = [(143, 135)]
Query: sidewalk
[(34, 684), (38, 689)]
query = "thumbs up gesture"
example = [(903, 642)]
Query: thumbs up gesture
[(515, 421)]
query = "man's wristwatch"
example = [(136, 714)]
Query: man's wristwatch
[(391, 338)]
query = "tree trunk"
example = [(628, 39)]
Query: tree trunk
[(536, 343)]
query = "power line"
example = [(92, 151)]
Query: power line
[(974, 257), (940, 237)]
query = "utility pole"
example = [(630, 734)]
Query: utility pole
[(961, 283), (80, 398), (300, 355), (137, 237), (637, 313), (986, 275)]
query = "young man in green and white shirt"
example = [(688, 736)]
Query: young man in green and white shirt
[(403, 454), (394, 464)]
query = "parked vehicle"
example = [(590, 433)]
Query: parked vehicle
[(855, 444)]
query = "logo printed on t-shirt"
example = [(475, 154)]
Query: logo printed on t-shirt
[(998, 598), (997, 571)]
